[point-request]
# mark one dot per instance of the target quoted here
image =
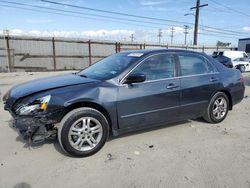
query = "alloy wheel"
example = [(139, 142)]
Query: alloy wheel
[(219, 108), (85, 134)]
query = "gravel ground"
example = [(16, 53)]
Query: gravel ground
[(186, 154)]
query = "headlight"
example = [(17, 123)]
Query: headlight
[(40, 104)]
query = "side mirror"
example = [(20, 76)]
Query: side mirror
[(135, 78)]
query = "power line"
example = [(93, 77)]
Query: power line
[(172, 34), (159, 35), (229, 8), (76, 12), (113, 12), (104, 16), (132, 15), (84, 17), (132, 37), (186, 27), (219, 32), (216, 35), (75, 16)]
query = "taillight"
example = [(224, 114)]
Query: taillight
[(241, 79)]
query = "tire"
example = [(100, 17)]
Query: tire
[(221, 101), (242, 68), (83, 132)]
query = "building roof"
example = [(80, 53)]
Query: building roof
[(244, 39)]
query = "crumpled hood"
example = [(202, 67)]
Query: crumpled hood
[(43, 84)]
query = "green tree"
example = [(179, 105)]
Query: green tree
[(223, 44)]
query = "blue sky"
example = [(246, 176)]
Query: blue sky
[(21, 21)]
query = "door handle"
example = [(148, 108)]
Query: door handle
[(172, 86), (213, 79)]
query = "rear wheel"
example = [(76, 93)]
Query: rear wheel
[(83, 132), (217, 109)]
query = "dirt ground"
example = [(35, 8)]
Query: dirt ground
[(187, 154)]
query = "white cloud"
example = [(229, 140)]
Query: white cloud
[(103, 34), (117, 34), (246, 28), (152, 3)]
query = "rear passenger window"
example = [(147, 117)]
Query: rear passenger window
[(193, 65), (157, 67)]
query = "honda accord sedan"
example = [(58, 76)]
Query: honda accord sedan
[(124, 92)]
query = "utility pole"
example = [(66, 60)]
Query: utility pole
[(132, 37), (186, 27), (159, 35), (197, 15), (172, 34), (6, 33)]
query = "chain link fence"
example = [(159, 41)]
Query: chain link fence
[(19, 53)]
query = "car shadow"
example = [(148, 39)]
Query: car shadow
[(147, 129), (247, 80), (57, 147)]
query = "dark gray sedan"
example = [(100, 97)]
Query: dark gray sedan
[(121, 93)]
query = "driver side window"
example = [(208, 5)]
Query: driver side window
[(157, 67)]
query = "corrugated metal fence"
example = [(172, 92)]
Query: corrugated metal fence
[(54, 54)]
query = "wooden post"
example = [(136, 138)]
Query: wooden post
[(203, 48), (119, 47), (90, 60), (8, 53), (116, 47), (54, 52), (144, 46), (140, 46), (167, 46)]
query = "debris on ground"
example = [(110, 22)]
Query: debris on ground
[(188, 179), (192, 126), (189, 151), (110, 157), (129, 158), (245, 96), (224, 132), (15, 153), (1, 164), (151, 146)]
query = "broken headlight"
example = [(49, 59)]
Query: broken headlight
[(38, 105)]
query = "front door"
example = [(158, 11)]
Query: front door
[(154, 101)]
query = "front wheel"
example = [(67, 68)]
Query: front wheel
[(217, 109), (83, 132)]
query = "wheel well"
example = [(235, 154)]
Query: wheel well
[(229, 98), (91, 105)]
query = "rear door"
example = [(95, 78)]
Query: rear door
[(154, 101), (199, 81)]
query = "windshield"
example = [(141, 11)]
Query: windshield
[(109, 67)]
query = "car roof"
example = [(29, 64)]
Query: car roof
[(153, 51)]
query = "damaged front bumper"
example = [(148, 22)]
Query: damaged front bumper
[(37, 128)]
